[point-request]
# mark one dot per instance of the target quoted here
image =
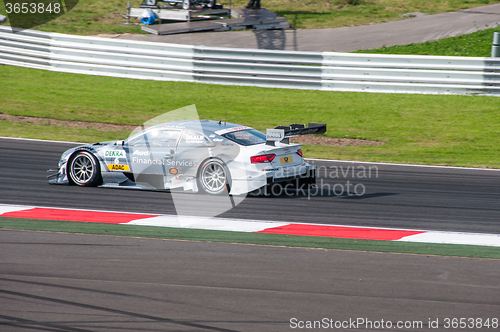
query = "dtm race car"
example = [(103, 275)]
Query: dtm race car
[(213, 157)]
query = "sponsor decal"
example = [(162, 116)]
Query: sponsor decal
[(194, 141), (181, 163), (141, 153), (275, 134), (195, 137), (175, 171), (229, 130), (160, 161), (114, 167), (114, 153), (156, 161), (173, 126)]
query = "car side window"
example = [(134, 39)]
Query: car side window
[(246, 137), (156, 138), (194, 139)]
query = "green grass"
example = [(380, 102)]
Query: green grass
[(249, 238), (477, 44), (92, 17), (339, 13), (51, 132), (419, 129)]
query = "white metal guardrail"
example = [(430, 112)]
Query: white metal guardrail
[(281, 69)]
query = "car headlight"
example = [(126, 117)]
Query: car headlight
[(64, 157)]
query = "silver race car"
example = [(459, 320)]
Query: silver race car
[(213, 157)]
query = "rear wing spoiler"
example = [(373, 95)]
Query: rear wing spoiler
[(283, 133)]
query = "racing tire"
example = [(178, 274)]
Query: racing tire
[(186, 4), (210, 4), (214, 177), (84, 170), (150, 2)]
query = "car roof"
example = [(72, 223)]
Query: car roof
[(208, 126)]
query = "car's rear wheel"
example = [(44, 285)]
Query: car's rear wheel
[(84, 169), (214, 177)]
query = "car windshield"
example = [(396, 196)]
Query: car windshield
[(246, 137)]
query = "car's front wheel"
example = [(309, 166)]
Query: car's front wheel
[(84, 169), (214, 177)]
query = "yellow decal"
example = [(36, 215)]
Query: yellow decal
[(285, 160), (114, 167)]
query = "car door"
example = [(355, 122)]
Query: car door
[(193, 148), (149, 154)]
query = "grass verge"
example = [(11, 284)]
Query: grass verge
[(92, 17), (418, 129), (477, 44), (249, 238), (57, 133), (344, 13)]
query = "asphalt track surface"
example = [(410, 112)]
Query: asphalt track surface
[(393, 196), (74, 282)]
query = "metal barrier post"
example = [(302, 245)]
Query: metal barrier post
[(495, 49), (128, 12)]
